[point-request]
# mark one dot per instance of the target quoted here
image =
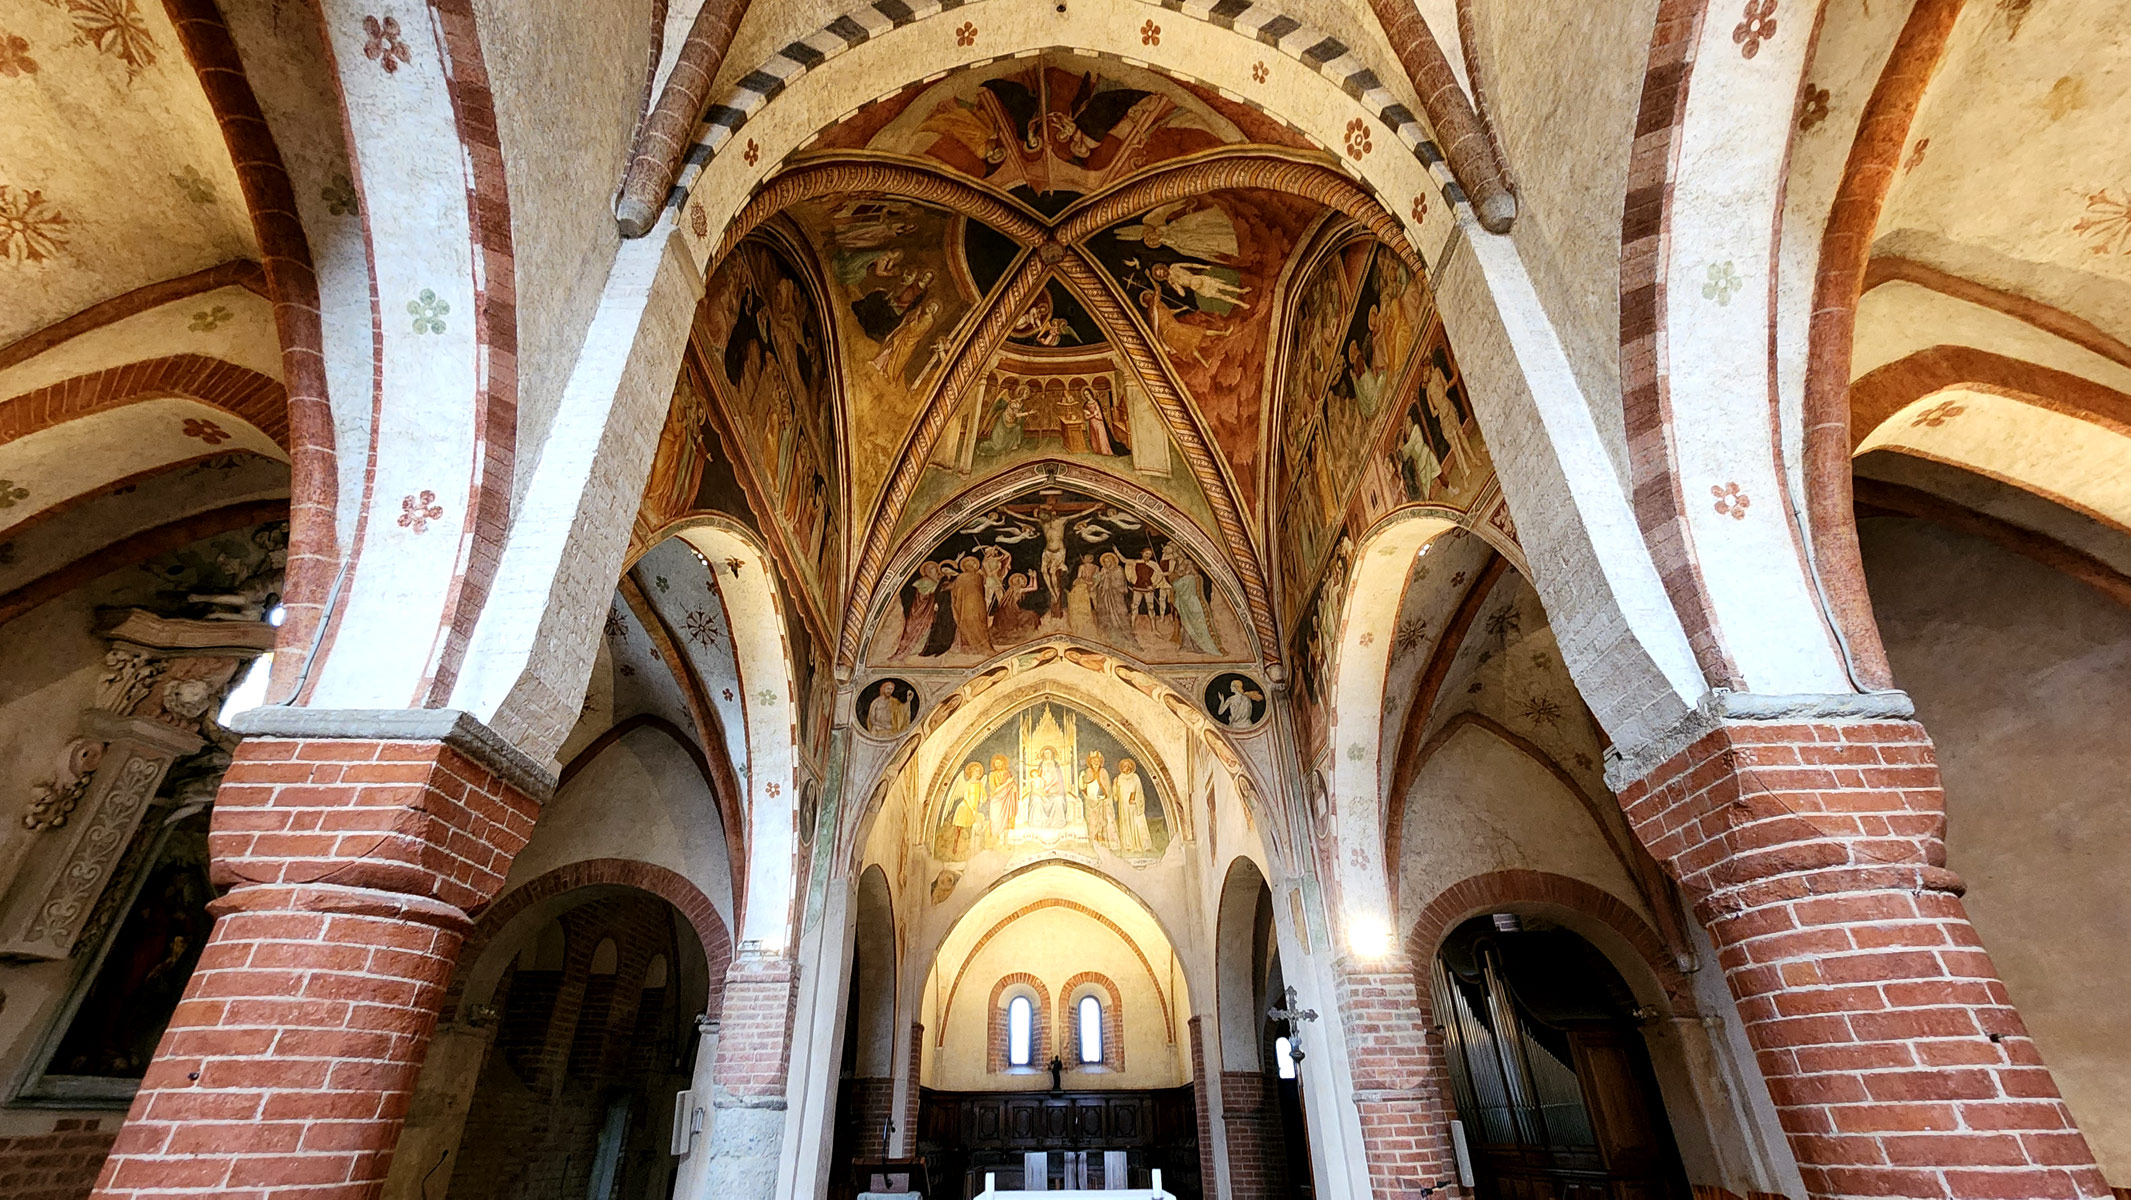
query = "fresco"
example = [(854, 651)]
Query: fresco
[(1199, 275), (1057, 562), (1235, 700), (1374, 416), (1315, 638), (1060, 124), (691, 470), (813, 682), (767, 360), (887, 707), (1076, 404), (1049, 778), (900, 284)]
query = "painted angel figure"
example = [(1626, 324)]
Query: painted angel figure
[(1205, 233)]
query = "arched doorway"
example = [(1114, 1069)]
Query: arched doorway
[(594, 1020), (1262, 1103), (1553, 1086), (865, 1094)]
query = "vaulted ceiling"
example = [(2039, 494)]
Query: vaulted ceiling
[(1067, 276)]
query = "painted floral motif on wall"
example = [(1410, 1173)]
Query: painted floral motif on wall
[(32, 229), (116, 28), (1047, 779)]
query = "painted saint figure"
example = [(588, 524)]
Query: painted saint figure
[(1198, 232), (1134, 836), (889, 713), (1239, 706), (1188, 591), (1001, 796), (965, 819), (917, 615), (1099, 803)]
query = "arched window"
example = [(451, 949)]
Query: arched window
[(1284, 1056), (1020, 1031), (1091, 1042)]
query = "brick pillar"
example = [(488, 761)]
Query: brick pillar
[(1257, 1145), (1202, 1100), (748, 1083), (1814, 854), (906, 1137), (288, 1064), (1397, 1073)]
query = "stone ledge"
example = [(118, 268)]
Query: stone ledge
[(453, 727), (1722, 706)]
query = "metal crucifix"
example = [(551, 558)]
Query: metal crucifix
[(1291, 1014)]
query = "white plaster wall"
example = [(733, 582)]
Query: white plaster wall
[(2023, 678), (1568, 152), (640, 799), (1055, 945), (568, 80), (1482, 805)]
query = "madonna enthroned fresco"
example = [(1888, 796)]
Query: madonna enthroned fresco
[(1049, 779)]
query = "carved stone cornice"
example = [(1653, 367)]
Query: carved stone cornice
[(53, 896)]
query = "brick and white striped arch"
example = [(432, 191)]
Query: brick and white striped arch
[(1324, 91), (426, 162), (1621, 636)]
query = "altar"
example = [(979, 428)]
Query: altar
[(1152, 1192)]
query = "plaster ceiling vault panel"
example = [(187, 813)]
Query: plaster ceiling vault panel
[(52, 539), (65, 461), (113, 172), (2014, 163), (2081, 464), (233, 324), (630, 679), (1441, 576), (677, 583)]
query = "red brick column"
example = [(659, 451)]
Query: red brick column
[(1202, 1100), (749, 1079), (288, 1064), (1257, 1146), (906, 1138), (1814, 854), (1405, 1118)]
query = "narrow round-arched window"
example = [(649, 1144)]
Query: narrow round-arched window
[(1090, 1030), (1284, 1057), (1020, 1031)]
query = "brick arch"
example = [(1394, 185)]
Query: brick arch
[(1845, 257), (1040, 1023), (1879, 394), (292, 287), (667, 885), (1645, 221), (1495, 889), (243, 393), (1113, 1020)]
